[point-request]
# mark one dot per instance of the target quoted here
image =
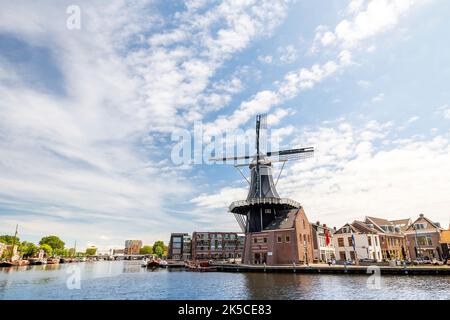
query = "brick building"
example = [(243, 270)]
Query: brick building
[(216, 245), (286, 240), (392, 239), (423, 239), (132, 246)]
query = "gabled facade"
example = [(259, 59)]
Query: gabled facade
[(216, 245), (423, 239), (365, 246), (322, 242), (286, 240), (445, 243), (392, 240)]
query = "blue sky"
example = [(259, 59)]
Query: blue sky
[(87, 114)]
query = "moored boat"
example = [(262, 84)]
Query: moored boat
[(16, 263), (203, 266), (52, 261)]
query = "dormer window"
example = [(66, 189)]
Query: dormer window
[(420, 226)]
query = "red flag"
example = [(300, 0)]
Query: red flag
[(327, 239)]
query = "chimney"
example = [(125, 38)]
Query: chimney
[(421, 215), (334, 228)]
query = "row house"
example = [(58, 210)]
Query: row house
[(322, 242), (392, 239), (180, 246), (216, 245), (423, 239), (357, 240), (445, 243)]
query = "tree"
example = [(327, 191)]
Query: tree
[(91, 251), (27, 249), (53, 241), (47, 249), (146, 250), (158, 248), (6, 239)]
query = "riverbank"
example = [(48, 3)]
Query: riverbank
[(112, 280), (337, 269)]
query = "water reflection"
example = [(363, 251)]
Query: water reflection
[(128, 280)]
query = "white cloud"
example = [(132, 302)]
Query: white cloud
[(92, 154), (364, 83), (378, 98), (265, 59), (366, 20), (288, 54), (352, 175), (445, 111)]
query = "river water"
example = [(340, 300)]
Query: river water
[(128, 280)]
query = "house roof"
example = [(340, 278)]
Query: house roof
[(380, 221), (357, 227), (285, 220), (401, 221), (422, 218), (363, 227)]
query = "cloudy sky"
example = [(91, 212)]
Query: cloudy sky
[(87, 115)]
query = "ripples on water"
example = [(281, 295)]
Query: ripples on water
[(128, 280)]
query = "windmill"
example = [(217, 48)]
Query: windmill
[(263, 204)]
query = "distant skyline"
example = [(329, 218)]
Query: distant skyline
[(86, 115)]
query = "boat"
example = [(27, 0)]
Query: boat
[(152, 264), (203, 266), (16, 263), (52, 261), (37, 261)]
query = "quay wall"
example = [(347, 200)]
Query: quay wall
[(422, 270)]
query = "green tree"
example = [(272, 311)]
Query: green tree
[(6, 239), (159, 248), (91, 251), (47, 249), (53, 241), (146, 250), (61, 252), (27, 249)]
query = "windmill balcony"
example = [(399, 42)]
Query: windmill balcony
[(242, 206)]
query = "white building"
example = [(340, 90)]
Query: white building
[(323, 252), (366, 246)]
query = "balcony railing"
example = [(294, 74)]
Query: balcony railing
[(259, 201)]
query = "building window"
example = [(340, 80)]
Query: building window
[(424, 241), (341, 242), (350, 241), (304, 227), (376, 241), (419, 226), (255, 240), (342, 255), (279, 239), (287, 239), (352, 255), (369, 239), (265, 240)]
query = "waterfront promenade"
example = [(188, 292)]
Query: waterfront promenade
[(337, 269)]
